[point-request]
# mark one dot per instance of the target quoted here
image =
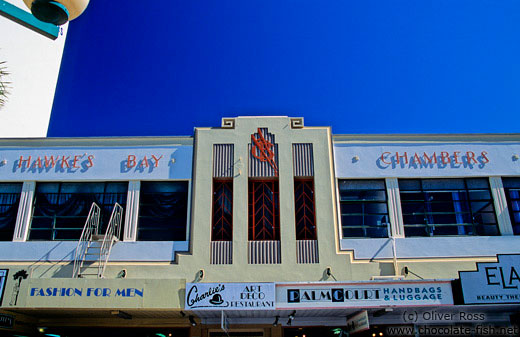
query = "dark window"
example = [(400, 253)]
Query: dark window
[(264, 213), (163, 211), (512, 191), (304, 204), (61, 209), (364, 210), (222, 222), (447, 207), (9, 201)]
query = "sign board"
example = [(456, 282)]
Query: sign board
[(230, 296), (331, 295), (494, 282), (100, 293), (358, 322), (94, 163), (425, 160), (3, 280), (6, 321)]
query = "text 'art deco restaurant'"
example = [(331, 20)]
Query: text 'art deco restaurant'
[(261, 227)]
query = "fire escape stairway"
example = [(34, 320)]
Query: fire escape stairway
[(93, 250)]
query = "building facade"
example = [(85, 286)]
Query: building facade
[(260, 227), (31, 54)]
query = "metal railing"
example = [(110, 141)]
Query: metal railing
[(91, 228), (112, 234)]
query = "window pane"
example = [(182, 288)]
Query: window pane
[(480, 195), (47, 187), (222, 213), (511, 182), (8, 188), (443, 184), (40, 235), (345, 185), (478, 183), (164, 187), (363, 195), (409, 184), (364, 210), (304, 213), (163, 211), (63, 208), (447, 207), (82, 187), (264, 216), (9, 200)]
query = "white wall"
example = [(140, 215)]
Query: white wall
[(33, 61)]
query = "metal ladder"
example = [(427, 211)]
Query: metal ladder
[(92, 246)]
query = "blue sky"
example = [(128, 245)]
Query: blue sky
[(164, 67)]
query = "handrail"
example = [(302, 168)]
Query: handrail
[(113, 229), (91, 228)]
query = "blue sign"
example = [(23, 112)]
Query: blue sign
[(94, 163)]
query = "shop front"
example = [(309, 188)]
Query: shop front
[(101, 307), (315, 308), (493, 290)]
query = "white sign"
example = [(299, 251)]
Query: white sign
[(495, 282), (425, 160), (230, 296), (362, 294), (358, 322)]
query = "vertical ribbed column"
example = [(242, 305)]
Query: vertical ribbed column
[(23, 219), (501, 209), (132, 210), (223, 160), (394, 208), (303, 160)]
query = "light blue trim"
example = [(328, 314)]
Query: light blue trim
[(432, 247), (28, 20), (63, 8), (63, 251)]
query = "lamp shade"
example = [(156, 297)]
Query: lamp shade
[(57, 12)]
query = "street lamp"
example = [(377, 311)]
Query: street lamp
[(56, 12)]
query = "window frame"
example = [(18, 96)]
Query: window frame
[(16, 203), (312, 231), (275, 208), (365, 228), (105, 216), (140, 215), (509, 199), (226, 234), (466, 202)]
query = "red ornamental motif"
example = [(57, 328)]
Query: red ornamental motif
[(262, 150)]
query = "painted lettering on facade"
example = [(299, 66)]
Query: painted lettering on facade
[(440, 159), (86, 292), (142, 162), (58, 163)]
